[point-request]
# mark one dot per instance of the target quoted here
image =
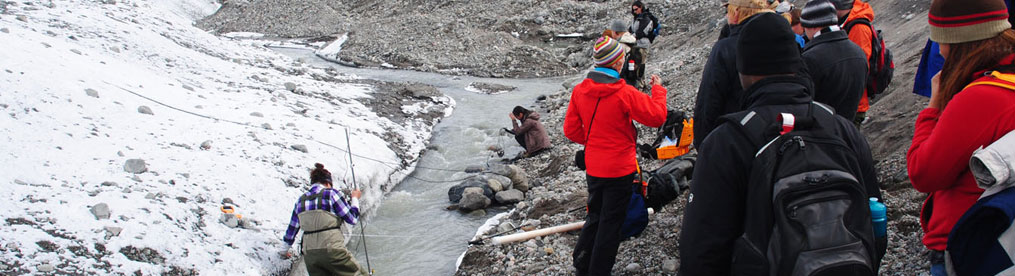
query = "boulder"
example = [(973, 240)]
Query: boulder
[(101, 211), (290, 86), (500, 169), (113, 231), (456, 192), (206, 145), (92, 93), (473, 201), (230, 220), (519, 180), (505, 182), (509, 196), (135, 166)]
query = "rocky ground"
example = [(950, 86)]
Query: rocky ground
[(520, 39)]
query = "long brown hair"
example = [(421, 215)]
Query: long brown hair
[(965, 59)]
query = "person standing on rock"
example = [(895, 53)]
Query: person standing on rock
[(719, 92), (530, 133), (964, 112), (320, 213), (599, 116), (715, 219), (645, 28), (836, 65)]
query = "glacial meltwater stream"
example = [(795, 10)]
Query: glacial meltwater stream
[(411, 233)]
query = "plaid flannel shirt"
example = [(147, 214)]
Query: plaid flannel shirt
[(332, 201)]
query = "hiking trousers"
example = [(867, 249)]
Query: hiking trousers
[(332, 261), (596, 250)]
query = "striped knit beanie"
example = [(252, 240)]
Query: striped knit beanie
[(959, 21), (818, 13), (607, 51), (843, 5)]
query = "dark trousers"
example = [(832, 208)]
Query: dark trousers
[(596, 250), (521, 140)]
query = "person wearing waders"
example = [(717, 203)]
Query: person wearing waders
[(320, 212), (599, 116)]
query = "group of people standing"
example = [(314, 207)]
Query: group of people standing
[(802, 72), (805, 67)]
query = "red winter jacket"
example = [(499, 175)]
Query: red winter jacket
[(610, 149), (938, 160)]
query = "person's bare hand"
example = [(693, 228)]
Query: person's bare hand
[(656, 80), (286, 254), (512, 116), (356, 193), (935, 94)]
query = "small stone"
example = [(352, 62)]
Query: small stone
[(256, 114), (495, 185), (473, 201), (108, 183), (188, 87), (113, 231), (670, 265), (21, 18), (266, 126), (301, 148), (290, 86), (45, 268), (531, 244), (115, 49), (541, 98), (474, 169), (135, 166), (228, 201), (633, 267), (548, 250), (120, 154), (290, 125), (76, 51), (505, 227), (101, 211), (145, 110), (149, 196), (230, 220), (531, 222), (5, 30), (92, 92), (478, 213), (206, 145)]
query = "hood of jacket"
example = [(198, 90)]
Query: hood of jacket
[(780, 90), (598, 84), (860, 10), (534, 116)]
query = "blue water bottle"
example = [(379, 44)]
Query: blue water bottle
[(879, 217)]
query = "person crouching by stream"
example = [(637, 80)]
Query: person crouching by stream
[(320, 213), (599, 116), (530, 133)]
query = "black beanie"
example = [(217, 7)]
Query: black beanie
[(843, 5), (767, 46)]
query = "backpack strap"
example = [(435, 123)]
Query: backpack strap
[(996, 78), (849, 25), (749, 124)]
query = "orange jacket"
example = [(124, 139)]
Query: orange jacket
[(861, 35)]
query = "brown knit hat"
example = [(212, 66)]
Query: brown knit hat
[(959, 21)]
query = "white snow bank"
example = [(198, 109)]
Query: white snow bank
[(74, 75)]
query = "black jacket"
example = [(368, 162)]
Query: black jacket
[(641, 27), (713, 218), (839, 70), (719, 92)]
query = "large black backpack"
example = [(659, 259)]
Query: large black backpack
[(806, 211), (880, 66)]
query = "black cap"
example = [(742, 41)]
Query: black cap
[(767, 46), (843, 5)]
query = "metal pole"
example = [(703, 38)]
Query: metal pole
[(362, 234)]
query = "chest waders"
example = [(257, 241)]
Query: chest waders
[(323, 242)]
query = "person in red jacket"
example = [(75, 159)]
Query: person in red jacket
[(976, 41), (599, 117)]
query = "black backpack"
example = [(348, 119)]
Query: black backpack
[(672, 128), (806, 212), (880, 66)]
